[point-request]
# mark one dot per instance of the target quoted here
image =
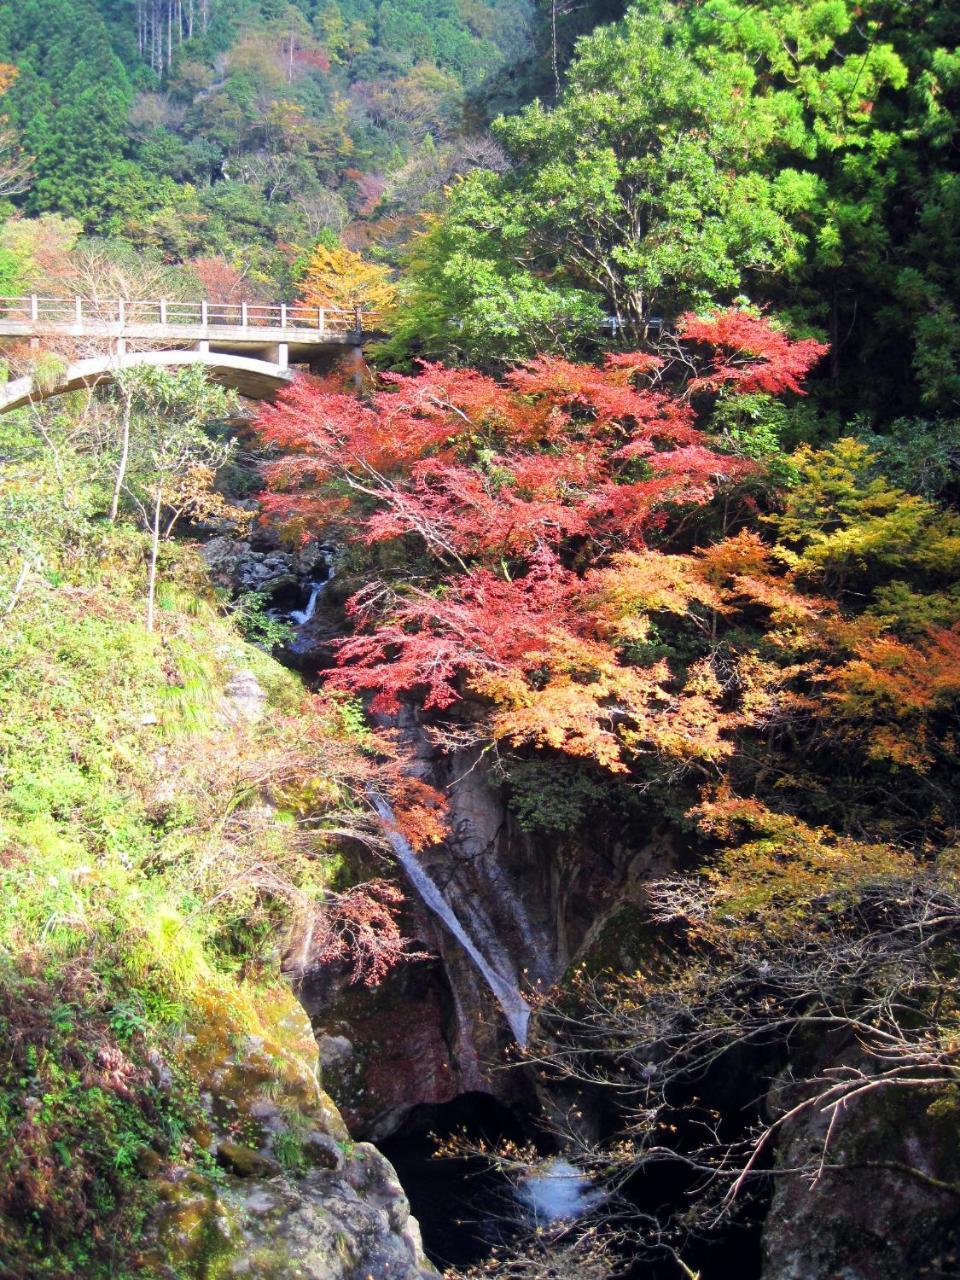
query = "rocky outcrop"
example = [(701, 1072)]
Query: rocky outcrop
[(259, 563), (533, 906), (293, 1198), (882, 1215), (286, 578)]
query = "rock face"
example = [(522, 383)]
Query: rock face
[(433, 1030), (258, 563), (870, 1221), (296, 1199), (286, 577)]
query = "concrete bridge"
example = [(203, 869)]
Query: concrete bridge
[(253, 348)]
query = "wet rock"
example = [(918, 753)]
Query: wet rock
[(325, 1230), (534, 905), (236, 565), (160, 1073)]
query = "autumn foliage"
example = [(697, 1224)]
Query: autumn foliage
[(537, 511), (569, 560), (340, 279)]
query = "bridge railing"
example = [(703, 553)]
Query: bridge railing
[(59, 313)]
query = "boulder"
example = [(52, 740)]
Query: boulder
[(871, 1218), (297, 1200)]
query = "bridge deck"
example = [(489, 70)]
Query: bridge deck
[(250, 347), (234, 326)]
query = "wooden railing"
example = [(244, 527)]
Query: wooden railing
[(119, 312)]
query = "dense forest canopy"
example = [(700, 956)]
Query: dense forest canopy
[(809, 168), (254, 128)]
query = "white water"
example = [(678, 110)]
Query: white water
[(515, 1008), (300, 616), (557, 1190)]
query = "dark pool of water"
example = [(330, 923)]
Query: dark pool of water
[(463, 1207)]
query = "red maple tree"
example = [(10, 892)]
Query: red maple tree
[(504, 496)]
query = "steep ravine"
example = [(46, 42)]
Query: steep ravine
[(429, 1050), (433, 1031), (435, 1041)]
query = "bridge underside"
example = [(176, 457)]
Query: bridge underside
[(255, 379)]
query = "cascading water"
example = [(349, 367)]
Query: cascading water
[(556, 1190), (302, 616), (515, 1008)]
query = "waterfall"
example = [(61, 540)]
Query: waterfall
[(303, 616), (515, 1008), (300, 616), (556, 1190)]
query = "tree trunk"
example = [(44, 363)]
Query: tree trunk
[(553, 46), (154, 552), (124, 457)]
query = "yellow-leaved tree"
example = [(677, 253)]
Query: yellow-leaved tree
[(340, 279)]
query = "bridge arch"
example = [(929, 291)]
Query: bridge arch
[(255, 379)]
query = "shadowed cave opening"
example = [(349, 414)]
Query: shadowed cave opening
[(464, 1208)]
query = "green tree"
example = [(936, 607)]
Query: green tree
[(639, 188), (863, 105), (70, 100)]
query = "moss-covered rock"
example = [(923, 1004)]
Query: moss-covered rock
[(292, 1198)]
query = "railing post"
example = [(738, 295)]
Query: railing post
[(283, 315), (244, 318), (163, 311), (78, 309), (121, 312), (203, 313), (321, 319), (34, 307), (357, 322)]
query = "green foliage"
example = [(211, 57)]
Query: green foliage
[(862, 104), (801, 153), (635, 189), (247, 138), (256, 623), (921, 455), (553, 795), (846, 526), (80, 1115), (70, 101), (463, 299), (132, 825)]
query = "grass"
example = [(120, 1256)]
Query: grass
[(132, 805)]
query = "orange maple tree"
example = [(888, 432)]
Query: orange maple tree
[(340, 279)]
